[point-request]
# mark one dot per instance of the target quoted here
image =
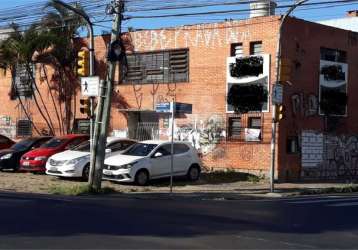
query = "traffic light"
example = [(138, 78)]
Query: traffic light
[(280, 113), (285, 70), (85, 107), (83, 66)]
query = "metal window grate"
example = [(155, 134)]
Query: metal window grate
[(24, 128), (158, 67)]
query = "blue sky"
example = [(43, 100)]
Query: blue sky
[(301, 12)]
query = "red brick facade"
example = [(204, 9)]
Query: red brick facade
[(209, 47)]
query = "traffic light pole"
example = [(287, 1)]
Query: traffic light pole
[(274, 120), (104, 106)]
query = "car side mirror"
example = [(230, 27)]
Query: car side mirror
[(108, 150), (158, 154)]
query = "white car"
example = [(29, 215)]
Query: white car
[(151, 160), (76, 162)]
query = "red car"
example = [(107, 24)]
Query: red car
[(5, 142), (35, 160)]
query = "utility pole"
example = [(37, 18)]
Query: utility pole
[(278, 68), (104, 103)]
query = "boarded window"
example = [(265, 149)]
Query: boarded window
[(158, 67), (235, 127)]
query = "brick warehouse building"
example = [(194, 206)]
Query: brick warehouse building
[(192, 64)]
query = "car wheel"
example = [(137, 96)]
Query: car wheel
[(193, 173), (86, 172), (142, 177)]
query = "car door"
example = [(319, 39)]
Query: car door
[(160, 166), (182, 158)]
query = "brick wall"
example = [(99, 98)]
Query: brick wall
[(209, 46)]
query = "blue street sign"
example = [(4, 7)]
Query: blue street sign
[(163, 107)]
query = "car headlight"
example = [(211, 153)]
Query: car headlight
[(127, 166), (75, 161), (40, 158), (5, 157)]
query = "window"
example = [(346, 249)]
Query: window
[(180, 148), (333, 55), (248, 84), (292, 145), (164, 150), (253, 132), (158, 67), (333, 82), (74, 143), (256, 48), (255, 122), (237, 50), (24, 128), (252, 97), (22, 82), (234, 127)]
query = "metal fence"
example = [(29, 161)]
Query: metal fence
[(147, 131)]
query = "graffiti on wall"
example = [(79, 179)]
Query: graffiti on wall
[(204, 136), (208, 35), (304, 105), (333, 157), (7, 127)]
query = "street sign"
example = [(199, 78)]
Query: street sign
[(183, 108), (90, 86), (277, 94), (163, 107)]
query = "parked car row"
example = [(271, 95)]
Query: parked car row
[(126, 160)]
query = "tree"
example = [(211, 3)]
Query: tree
[(61, 57), (19, 50)]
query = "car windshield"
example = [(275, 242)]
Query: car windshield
[(22, 145), (83, 147), (54, 143), (140, 149)]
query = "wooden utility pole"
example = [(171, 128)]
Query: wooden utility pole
[(104, 104)]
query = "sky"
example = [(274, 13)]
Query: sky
[(314, 14)]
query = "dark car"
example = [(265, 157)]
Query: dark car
[(10, 158), (35, 160), (5, 142)]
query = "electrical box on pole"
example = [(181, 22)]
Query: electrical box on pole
[(85, 107)]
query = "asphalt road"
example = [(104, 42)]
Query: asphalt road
[(33, 221)]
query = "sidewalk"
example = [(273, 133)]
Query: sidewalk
[(243, 190)]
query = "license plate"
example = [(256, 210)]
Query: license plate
[(107, 172), (53, 169), (26, 163)]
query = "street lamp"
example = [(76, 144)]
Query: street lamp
[(278, 68)]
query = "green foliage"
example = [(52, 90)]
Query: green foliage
[(77, 190)]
